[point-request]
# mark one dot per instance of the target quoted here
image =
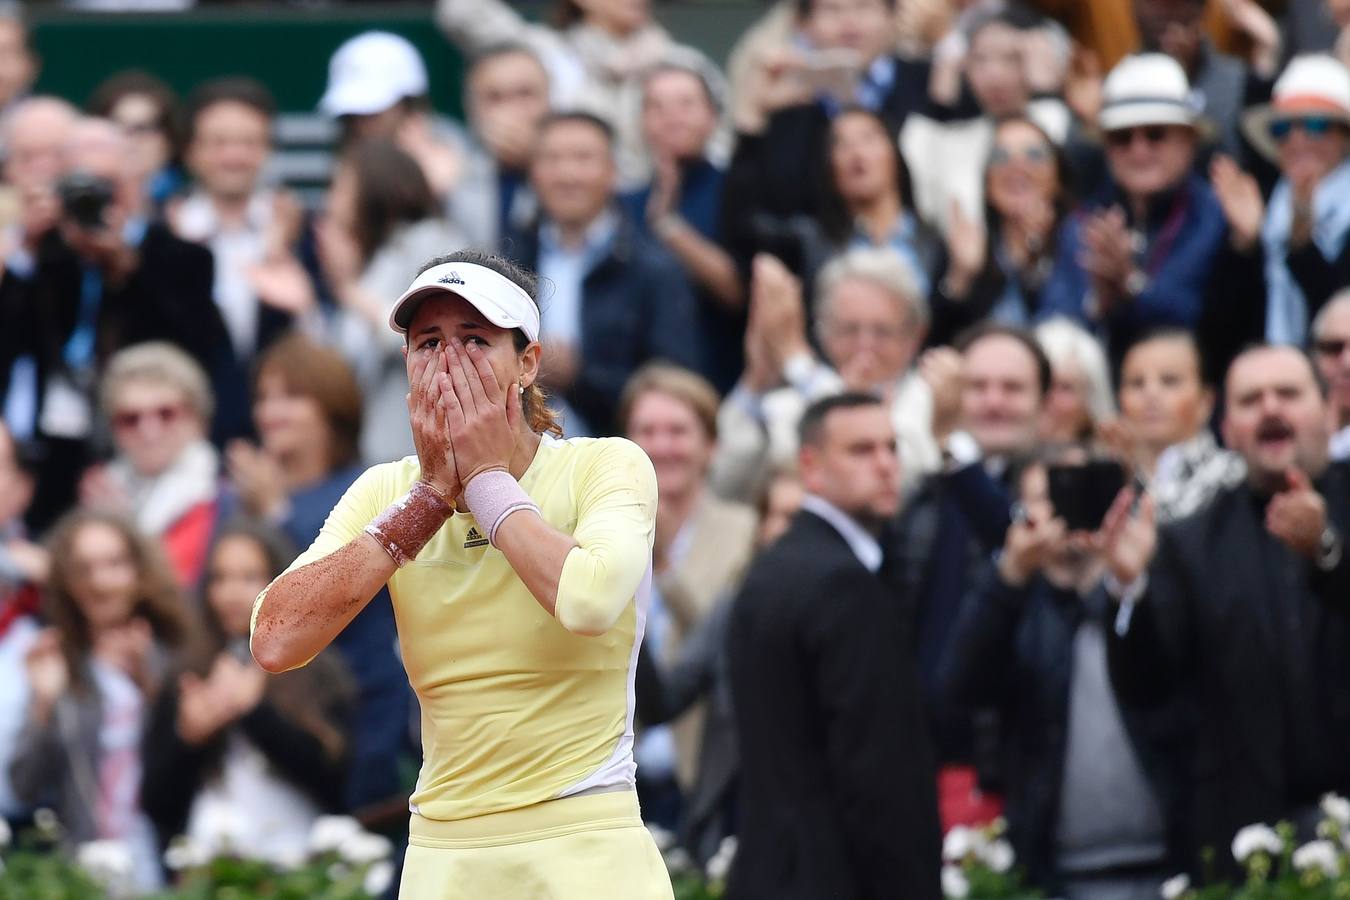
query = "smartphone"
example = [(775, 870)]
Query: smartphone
[(832, 72), (1081, 494)]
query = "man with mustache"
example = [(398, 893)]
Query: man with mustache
[(1238, 615)]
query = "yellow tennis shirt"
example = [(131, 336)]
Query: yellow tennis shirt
[(518, 706)]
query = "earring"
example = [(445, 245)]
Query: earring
[(520, 388)]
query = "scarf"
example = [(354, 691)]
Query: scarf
[(1286, 307), (164, 499)]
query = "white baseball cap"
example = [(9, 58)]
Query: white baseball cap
[(371, 73), (1146, 89), (1312, 85), (501, 301)]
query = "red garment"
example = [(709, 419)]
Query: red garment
[(22, 602), (186, 540), (960, 800)]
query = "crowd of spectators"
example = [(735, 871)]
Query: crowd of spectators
[(993, 358)]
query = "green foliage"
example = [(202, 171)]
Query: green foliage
[(33, 875)]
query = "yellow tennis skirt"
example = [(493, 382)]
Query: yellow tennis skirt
[(592, 847)]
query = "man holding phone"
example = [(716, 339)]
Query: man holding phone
[(104, 278), (1089, 797)]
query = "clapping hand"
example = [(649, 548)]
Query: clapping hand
[(258, 477), (1297, 516), (943, 369), (1127, 540), (48, 674), (967, 246), (1027, 548), (1106, 255), (1240, 197)]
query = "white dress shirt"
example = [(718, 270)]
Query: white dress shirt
[(859, 540)]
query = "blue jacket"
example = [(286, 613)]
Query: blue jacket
[(636, 305), (1195, 279)]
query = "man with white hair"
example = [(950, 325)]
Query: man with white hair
[(871, 320), (1331, 353), (104, 278)]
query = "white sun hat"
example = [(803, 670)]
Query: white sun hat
[(1313, 84), (371, 73), (1146, 89), (501, 301)]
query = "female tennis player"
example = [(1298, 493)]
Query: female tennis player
[(519, 566)]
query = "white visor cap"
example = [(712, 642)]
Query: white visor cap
[(501, 301)]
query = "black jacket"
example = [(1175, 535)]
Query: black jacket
[(1257, 636), (838, 798), (1013, 650)]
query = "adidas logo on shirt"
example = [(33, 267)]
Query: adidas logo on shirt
[(474, 538)]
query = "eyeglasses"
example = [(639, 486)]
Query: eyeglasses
[(1124, 137), (137, 129), (852, 331), (1001, 156), (131, 419), (1312, 126), (1330, 346)]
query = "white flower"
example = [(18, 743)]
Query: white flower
[(1175, 886), (328, 832), (1320, 855), (663, 839), (1256, 838), (289, 857), (109, 863), (5, 834), (362, 848), (378, 878), (997, 855), (1337, 809), (719, 867), (185, 853), (46, 821), (954, 884), (960, 842), (678, 861)]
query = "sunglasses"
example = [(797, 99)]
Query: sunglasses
[(1330, 347), (1124, 137), (1001, 156), (131, 419), (1312, 126)]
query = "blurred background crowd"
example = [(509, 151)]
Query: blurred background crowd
[(1037, 232)]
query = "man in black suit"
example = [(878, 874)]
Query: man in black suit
[(104, 278), (1244, 610), (837, 783)]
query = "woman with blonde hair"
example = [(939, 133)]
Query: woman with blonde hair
[(117, 621), (165, 474)]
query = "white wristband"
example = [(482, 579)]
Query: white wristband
[(492, 496)]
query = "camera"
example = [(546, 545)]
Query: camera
[(85, 198), (1082, 494)]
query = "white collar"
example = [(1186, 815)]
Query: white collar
[(863, 545), (1340, 444)]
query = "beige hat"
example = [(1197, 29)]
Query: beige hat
[(1146, 89), (1312, 85)]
